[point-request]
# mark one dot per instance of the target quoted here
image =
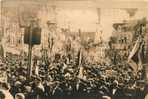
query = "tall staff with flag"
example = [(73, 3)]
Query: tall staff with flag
[(136, 55), (134, 58)]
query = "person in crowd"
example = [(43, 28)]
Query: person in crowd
[(4, 91), (76, 78)]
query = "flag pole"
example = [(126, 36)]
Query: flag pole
[(30, 53)]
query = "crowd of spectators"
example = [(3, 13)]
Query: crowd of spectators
[(58, 79)]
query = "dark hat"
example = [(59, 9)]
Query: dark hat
[(51, 22)]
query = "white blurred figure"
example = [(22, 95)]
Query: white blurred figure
[(98, 35), (81, 72), (51, 34), (75, 45), (55, 38)]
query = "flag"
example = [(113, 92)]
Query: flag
[(136, 55), (37, 70), (79, 57)]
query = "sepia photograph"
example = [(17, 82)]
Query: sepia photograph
[(73, 49)]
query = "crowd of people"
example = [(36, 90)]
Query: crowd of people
[(66, 70), (58, 79)]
